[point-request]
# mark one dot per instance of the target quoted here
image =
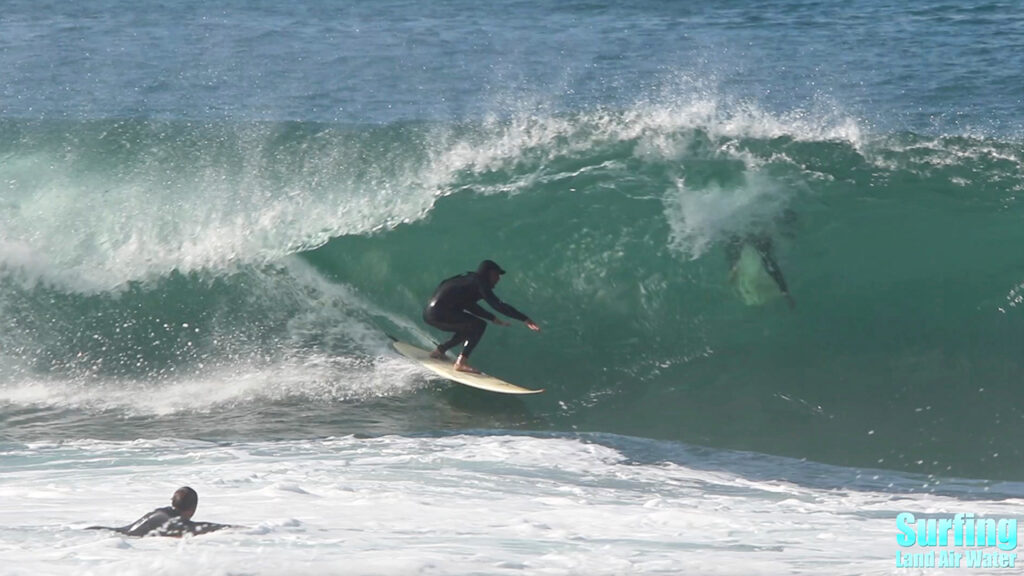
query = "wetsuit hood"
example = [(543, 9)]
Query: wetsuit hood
[(486, 266)]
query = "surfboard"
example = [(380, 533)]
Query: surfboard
[(753, 283), (444, 369)]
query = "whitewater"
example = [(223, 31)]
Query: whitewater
[(211, 219)]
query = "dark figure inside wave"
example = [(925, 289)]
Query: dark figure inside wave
[(761, 244), (753, 268), (174, 520)]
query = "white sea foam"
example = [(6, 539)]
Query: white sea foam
[(224, 195), (699, 217), (92, 227), (317, 377), (351, 358), (449, 505)]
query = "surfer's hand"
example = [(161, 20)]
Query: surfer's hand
[(532, 325)]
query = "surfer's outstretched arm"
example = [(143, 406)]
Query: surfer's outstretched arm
[(480, 312), (508, 310), (772, 267)]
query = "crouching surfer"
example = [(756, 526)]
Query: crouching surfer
[(454, 308)]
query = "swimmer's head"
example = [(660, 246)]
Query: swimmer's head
[(185, 501)]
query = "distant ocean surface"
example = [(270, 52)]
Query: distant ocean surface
[(212, 216)]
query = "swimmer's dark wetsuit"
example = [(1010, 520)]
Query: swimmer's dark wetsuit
[(164, 522), (454, 308), (765, 249)]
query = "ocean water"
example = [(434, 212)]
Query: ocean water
[(212, 216)]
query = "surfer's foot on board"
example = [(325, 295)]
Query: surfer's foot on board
[(461, 366), (438, 354)]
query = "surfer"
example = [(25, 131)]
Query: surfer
[(454, 308), (174, 520), (762, 243)]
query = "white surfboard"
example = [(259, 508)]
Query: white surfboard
[(753, 283), (445, 369)]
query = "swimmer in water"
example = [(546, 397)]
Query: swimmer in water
[(174, 520), (765, 248)]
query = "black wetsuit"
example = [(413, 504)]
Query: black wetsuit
[(454, 308), (765, 249), (164, 522)]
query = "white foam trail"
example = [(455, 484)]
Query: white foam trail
[(315, 377), (452, 505), (351, 358)]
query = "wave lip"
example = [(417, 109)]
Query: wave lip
[(108, 202)]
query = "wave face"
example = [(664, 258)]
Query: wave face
[(152, 269)]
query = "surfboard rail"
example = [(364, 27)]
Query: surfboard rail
[(445, 369)]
